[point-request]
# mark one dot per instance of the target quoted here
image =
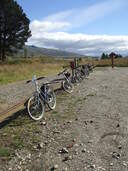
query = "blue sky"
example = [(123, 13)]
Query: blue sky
[(88, 27)]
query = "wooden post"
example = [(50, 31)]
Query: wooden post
[(112, 61), (112, 56), (72, 66)]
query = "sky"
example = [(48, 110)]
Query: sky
[(88, 27)]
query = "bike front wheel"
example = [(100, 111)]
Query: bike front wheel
[(36, 108), (67, 86), (51, 99)]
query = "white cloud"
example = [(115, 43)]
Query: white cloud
[(81, 43), (43, 26), (52, 31)]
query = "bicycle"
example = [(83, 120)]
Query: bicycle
[(65, 81), (85, 70), (41, 97)]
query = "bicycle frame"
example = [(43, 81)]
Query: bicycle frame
[(41, 94)]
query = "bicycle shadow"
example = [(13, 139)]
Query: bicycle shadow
[(8, 120), (24, 117)]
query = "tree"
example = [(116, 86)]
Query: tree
[(14, 27), (25, 53), (104, 56)]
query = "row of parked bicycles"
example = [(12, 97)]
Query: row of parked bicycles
[(44, 95)]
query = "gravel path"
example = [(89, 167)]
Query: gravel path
[(88, 131)]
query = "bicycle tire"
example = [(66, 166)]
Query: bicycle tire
[(67, 86), (51, 99), (33, 114)]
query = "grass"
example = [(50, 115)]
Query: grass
[(122, 62), (5, 152), (15, 135), (23, 69)]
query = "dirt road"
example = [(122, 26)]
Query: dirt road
[(88, 131)]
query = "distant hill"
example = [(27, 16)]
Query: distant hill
[(33, 51)]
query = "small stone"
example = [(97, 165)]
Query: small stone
[(119, 147), (76, 153), (85, 169), (45, 142), (67, 158), (76, 145), (90, 141), (19, 167), (56, 132), (4, 134), (70, 157), (64, 150), (124, 164), (116, 155), (81, 144), (92, 166), (39, 155), (44, 123), (111, 164), (85, 122), (91, 121), (29, 156), (84, 150), (70, 145), (39, 146), (69, 122), (74, 140), (65, 169), (55, 167), (118, 126)]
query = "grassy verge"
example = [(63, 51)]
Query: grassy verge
[(23, 133), (22, 69), (123, 62)]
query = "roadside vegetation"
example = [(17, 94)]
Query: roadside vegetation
[(22, 69), (121, 62), (18, 69)]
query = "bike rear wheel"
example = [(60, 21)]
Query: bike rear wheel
[(36, 108), (78, 77)]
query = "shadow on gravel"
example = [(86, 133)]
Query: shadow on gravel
[(21, 113)]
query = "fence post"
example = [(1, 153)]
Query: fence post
[(112, 55)]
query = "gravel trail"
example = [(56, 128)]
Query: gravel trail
[(88, 131)]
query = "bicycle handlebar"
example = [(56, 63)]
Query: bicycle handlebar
[(39, 78), (28, 81)]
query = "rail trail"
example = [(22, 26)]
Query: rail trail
[(87, 131)]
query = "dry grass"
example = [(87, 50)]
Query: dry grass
[(122, 62), (23, 69), (17, 70)]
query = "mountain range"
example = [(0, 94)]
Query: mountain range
[(34, 51)]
